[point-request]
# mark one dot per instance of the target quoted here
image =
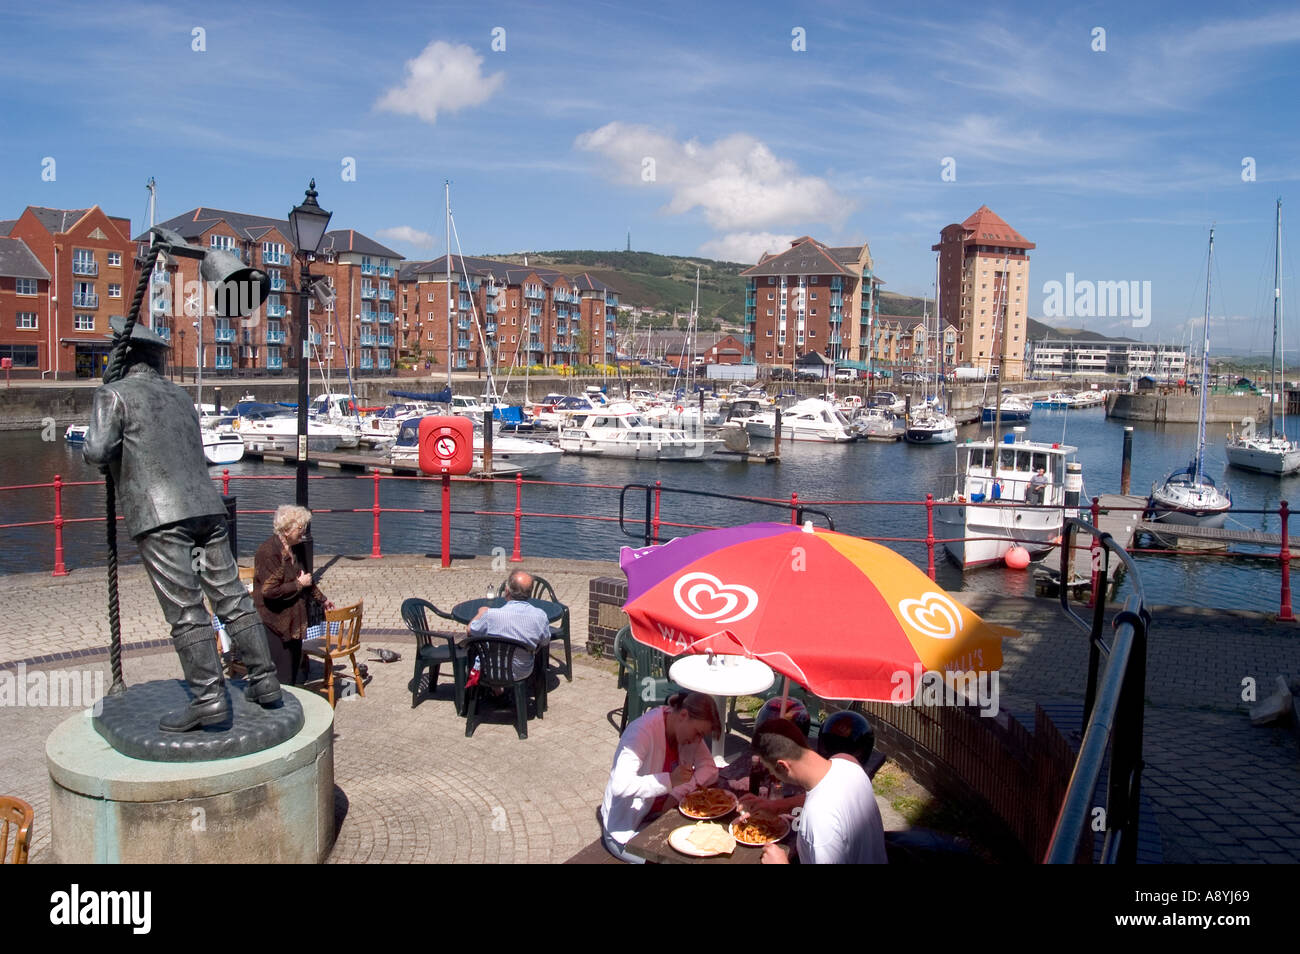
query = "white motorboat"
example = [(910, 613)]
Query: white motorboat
[(996, 506), (620, 431), (222, 445), (890, 402), (878, 424), (1190, 496), (1014, 410), (811, 419), (930, 425), (510, 455), (1082, 399), (276, 429), (1274, 454), (76, 433)]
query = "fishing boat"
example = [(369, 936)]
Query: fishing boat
[(1274, 454), (996, 504), (1189, 496), (621, 431)]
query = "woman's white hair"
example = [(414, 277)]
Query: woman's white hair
[(289, 517)]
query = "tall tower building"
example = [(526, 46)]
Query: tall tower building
[(984, 291)]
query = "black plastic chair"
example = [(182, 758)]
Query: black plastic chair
[(496, 659), (429, 654), (643, 671), (543, 590)]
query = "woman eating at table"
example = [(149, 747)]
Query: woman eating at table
[(661, 757)]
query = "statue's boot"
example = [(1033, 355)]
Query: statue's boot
[(201, 663), (250, 639)]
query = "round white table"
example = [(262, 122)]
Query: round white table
[(721, 677)]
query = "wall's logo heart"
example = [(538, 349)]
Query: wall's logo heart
[(934, 614), (722, 602)]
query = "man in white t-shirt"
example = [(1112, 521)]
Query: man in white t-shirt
[(840, 822)]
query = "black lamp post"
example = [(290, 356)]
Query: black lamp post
[(307, 224)]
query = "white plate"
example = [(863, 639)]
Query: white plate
[(729, 809), (679, 840), (785, 830)]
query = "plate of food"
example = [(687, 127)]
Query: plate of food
[(759, 830), (707, 803), (702, 840)]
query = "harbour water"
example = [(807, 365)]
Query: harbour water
[(816, 472)]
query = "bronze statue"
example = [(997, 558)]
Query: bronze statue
[(145, 431)]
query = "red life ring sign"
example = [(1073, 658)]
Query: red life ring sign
[(446, 445)]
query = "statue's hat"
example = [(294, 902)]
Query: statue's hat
[(141, 334)]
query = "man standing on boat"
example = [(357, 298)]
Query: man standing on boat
[(145, 431), (1037, 487)]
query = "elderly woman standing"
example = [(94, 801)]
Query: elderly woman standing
[(282, 590)]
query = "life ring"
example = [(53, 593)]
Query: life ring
[(679, 409)]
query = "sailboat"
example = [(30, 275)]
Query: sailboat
[(1189, 496), (929, 424), (1274, 454)]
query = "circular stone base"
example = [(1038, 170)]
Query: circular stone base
[(273, 806), (130, 724)]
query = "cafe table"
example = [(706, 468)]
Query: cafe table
[(651, 843), (721, 676)]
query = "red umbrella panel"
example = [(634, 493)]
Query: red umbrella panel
[(841, 616)]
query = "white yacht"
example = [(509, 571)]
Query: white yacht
[(878, 424), (930, 425), (222, 445), (620, 431), (995, 499), (267, 427), (811, 419)]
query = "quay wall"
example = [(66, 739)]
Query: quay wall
[(1184, 408)]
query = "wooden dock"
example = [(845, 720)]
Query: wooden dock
[(1215, 537), (1121, 524), (363, 463)]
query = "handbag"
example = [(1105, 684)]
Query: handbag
[(315, 619)]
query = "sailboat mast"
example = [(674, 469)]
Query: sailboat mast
[(1002, 360), (1199, 464), (1273, 371), (446, 183)]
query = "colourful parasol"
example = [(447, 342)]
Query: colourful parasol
[(839, 615)]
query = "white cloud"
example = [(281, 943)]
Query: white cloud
[(409, 235), (736, 181), (442, 78), (745, 247)]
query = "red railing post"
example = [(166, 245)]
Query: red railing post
[(1095, 553), (515, 555), (794, 508), (1284, 614), (60, 569), (375, 552), (446, 521), (656, 523), (225, 481), (929, 535)]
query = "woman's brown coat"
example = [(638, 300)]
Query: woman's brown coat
[(280, 600)]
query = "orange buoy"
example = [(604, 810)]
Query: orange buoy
[(1017, 558)]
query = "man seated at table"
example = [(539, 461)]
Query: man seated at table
[(518, 619), (840, 822)]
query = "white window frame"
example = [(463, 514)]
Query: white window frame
[(114, 259), (19, 286), (114, 290), (83, 322), (19, 321)]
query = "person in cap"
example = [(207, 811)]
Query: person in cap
[(144, 430)]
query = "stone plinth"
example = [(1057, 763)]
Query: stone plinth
[(274, 806)]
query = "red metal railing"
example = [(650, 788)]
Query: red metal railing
[(657, 522)]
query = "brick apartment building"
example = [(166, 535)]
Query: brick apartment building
[(517, 313), (984, 289), (357, 330), (902, 342), (811, 297), (54, 318)]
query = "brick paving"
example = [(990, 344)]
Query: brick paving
[(411, 787)]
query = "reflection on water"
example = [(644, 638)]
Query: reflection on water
[(817, 473)]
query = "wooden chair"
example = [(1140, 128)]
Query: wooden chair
[(17, 814), (342, 638)]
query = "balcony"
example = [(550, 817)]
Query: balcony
[(274, 337), (461, 363), (367, 268), (749, 338), (385, 271), (160, 277), (463, 324), (224, 336), (385, 364), (163, 332), (535, 328), (84, 266), (491, 308), (315, 337), (277, 283), (462, 343), (534, 293), (367, 339), (465, 304), (367, 362), (224, 363), (368, 293), (275, 311), (490, 327), (275, 258), (275, 364), (385, 317), (837, 301), (751, 301), (368, 316), (385, 341), (387, 294), (84, 301), (534, 311)]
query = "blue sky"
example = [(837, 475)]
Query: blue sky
[(702, 128)]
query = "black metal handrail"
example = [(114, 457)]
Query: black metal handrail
[(1112, 715), (649, 531)]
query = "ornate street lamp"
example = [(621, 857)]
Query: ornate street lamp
[(307, 225)]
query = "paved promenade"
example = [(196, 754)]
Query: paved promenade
[(411, 787)]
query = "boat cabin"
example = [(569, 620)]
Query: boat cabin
[(1018, 461)]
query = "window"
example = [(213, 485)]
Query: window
[(114, 291), (767, 354), (769, 334), (771, 280), (812, 333), (814, 294), (114, 259), (769, 313), (83, 322), (226, 242), (770, 296), (26, 286), (273, 254), (26, 319), (813, 280), (24, 356)]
